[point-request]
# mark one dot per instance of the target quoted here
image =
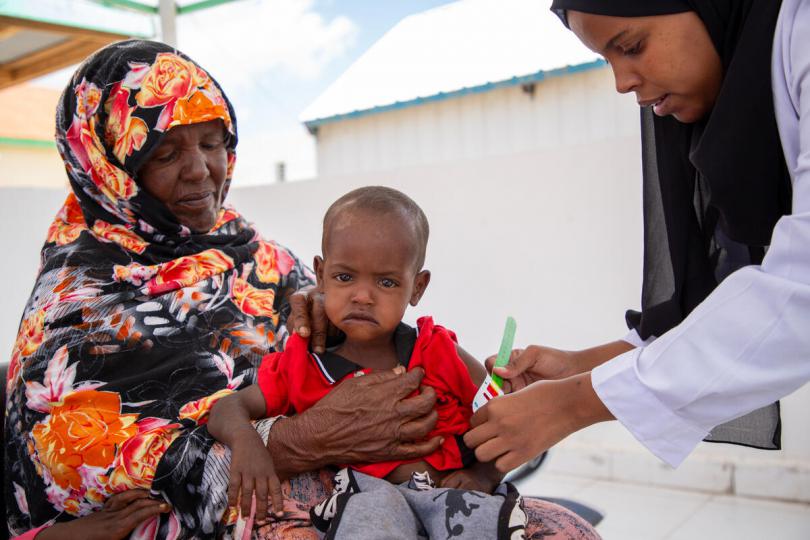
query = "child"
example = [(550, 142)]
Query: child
[(373, 244)]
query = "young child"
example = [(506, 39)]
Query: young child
[(373, 244)]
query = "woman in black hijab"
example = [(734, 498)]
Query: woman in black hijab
[(719, 334)]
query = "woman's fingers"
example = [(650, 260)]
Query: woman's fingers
[(490, 450), (298, 320), (136, 513), (417, 429), (418, 405), (120, 500), (480, 433), (320, 323), (490, 362), (519, 361), (510, 461), (413, 450)]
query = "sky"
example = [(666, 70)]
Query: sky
[(274, 58)]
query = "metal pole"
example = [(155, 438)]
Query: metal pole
[(167, 11)]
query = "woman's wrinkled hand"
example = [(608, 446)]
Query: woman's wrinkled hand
[(308, 317), (377, 417), (121, 514), (532, 364)]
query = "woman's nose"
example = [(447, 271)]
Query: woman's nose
[(195, 167), (627, 79)]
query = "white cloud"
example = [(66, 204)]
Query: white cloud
[(236, 41)]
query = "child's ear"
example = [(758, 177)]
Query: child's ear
[(318, 265), (420, 283)]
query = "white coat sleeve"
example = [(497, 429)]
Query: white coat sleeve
[(748, 344)]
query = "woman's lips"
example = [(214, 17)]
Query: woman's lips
[(196, 200), (661, 105)]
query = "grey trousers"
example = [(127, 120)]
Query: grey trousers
[(362, 507)]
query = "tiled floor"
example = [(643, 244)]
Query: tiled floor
[(634, 512)]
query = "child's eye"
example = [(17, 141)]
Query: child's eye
[(343, 278), (387, 283)]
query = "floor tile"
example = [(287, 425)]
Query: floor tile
[(640, 512), (739, 518)]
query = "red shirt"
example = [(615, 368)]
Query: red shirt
[(295, 379)]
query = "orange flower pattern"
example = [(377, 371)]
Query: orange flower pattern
[(185, 271), (125, 132), (198, 410), (84, 430), (119, 235), (253, 301), (271, 262), (69, 223), (135, 464), (169, 78), (134, 328)]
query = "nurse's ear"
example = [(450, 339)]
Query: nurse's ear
[(420, 283)]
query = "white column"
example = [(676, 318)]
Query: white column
[(168, 22)]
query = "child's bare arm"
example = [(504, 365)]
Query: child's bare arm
[(477, 370), (252, 467), (235, 410)]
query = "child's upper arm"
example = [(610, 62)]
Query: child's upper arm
[(476, 369)]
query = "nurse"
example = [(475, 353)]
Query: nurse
[(724, 329)]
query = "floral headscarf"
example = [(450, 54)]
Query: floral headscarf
[(135, 325)]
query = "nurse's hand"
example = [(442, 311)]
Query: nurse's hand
[(532, 364), (538, 363), (512, 429)]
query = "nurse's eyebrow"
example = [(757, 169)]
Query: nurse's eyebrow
[(613, 41)]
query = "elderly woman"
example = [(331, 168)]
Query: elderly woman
[(152, 302)]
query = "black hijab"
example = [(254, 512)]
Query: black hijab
[(713, 190)]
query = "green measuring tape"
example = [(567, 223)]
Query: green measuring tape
[(506, 348)]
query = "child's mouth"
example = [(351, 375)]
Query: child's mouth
[(360, 317)]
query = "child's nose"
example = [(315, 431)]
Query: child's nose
[(362, 295)]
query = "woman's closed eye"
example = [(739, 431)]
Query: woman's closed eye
[(165, 157), (212, 144), (631, 49)]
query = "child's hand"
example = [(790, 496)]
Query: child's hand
[(471, 479), (252, 471)]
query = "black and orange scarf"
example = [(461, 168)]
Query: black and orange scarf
[(135, 325)]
